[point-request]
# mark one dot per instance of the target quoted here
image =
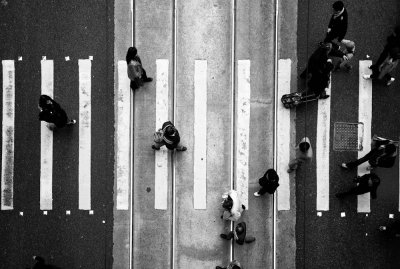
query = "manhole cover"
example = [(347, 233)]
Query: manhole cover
[(348, 136)]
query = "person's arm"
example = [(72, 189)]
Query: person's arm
[(343, 26)]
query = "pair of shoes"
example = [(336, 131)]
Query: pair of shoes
[(344, 165), (390, 81), (182, 149), (366, 76), (148, 80), (154, 147), (223, 236), (256, 194)]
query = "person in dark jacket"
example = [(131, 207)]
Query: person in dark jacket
[(365, 183), (135, 65), (337, 27), (319, 81), (317, 61), (239, 234), (269, 183), (168, 135), (51, 112), (393, 41), (383, 154)]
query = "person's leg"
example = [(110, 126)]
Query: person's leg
[(179, 147), (382, 57), (357, 162), (344, 194), (144, 76)]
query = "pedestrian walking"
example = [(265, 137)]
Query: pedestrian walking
[(239, 235), (337, 27), (382, 72), (136, 72), (366, 183), (232, 265), (383, 154), (52, 113), (168, 136), (269, 183), (392, 42), (342, 55), (304, 153), (233, 207)]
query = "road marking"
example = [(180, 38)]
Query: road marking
[(46, 141), (283, 137), (242, 130), (161, 156), (122, 137), (7, 152), (85, 116), (322, 151), (364, 116), (200, 135)]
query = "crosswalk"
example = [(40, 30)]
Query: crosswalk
[(123, 136)]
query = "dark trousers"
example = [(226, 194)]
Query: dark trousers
[(262, 191), (356, 190), (361, 160), (136, 84)]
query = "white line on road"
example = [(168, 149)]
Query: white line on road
[(7, 152), (161, 156), (85, 116), (200, 135), (122, 137), (322, 151), (283, 136), (46, 141), (364, 116), (242, 130)]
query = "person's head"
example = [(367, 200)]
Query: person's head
[(272, 175), (337, 7), (44, 101), (170, 130), (304, 146), (131, 54), (227, 204), (390, 149)]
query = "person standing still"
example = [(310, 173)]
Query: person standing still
[(136, 72), (52, 113), (337, 27), (304, 153)]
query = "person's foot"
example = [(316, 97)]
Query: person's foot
[(256, 194), (148, 80), (154, 147), (324, 96), (390, 81), (71, 122), (366, 76), (382, 228), (344, 165), (223, 236), (181, 149), (249, 239)]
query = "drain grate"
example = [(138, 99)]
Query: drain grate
[(348, 136)]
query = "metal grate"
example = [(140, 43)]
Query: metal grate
[(348, 136)]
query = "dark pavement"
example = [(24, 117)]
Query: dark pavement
[(55, 29), (330, 241)]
